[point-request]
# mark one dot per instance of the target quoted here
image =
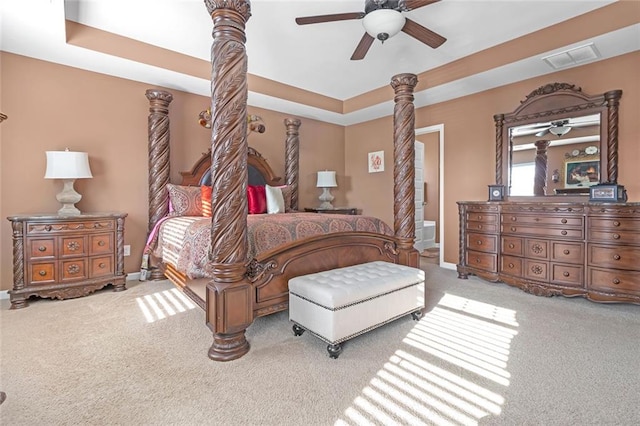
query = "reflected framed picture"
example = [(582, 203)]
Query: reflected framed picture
[(581, 173), (376, 161)]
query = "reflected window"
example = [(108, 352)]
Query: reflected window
[(522, 176)]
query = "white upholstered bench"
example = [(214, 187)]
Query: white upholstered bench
[(340, 304)]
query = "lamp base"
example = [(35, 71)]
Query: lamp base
[(326, 198), (68, 197)]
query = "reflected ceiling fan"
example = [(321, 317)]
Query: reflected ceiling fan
[(558, 128), (382, 19)]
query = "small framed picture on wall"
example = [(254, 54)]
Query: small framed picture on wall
[(376, 161)]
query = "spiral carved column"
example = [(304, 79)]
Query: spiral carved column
[(18, 262), (292, 158), (404, 166), (540, 178), (229, 296), (499, 120), (613, 102)]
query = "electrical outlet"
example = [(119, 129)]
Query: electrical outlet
[(127, 250)]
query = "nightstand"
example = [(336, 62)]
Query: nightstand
[(64, 257), (335, 210)]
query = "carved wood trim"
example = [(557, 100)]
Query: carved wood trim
[(292, 158)]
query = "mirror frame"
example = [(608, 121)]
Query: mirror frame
[(559, 101)]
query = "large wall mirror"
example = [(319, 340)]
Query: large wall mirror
[(559, 141)]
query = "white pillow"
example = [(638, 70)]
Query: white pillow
[(275, 200)]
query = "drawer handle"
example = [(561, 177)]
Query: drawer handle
[(565, 273), (479, 217), (73, 269), (42, 273), (511, 245), (479, 242), (616, 257), (479, 226), (42, 248), (47, 228), (101, 265), (511, 265), (564, 221), (616, 236), (513, 229), (616, 281), (513, 218), (565, 251), (616, 223), (101, 243), (477, 260), (73, 245), (563, 232)]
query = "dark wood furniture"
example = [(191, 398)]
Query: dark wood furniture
[(64, 257), (569, 249), (243, 289), (335, 210)]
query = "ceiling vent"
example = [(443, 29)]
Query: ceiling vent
[(576, 56)]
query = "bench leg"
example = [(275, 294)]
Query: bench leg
[(334, 350), (416, 315), (297, 330)]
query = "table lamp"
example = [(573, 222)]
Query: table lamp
[(68, 166), (326, 180)]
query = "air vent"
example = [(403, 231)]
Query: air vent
[(576, 56)]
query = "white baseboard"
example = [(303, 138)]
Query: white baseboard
[(448, 265), (4, 294), (133, 276)]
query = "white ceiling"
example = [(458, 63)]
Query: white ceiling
[(312, 57)]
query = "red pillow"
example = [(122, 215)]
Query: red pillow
[(257, 199), (205, 193)]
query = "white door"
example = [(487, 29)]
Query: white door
[(419, 184)]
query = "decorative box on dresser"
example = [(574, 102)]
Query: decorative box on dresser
[(66, 256), (569, 249)]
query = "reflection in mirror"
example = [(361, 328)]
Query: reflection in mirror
[(562, 151)]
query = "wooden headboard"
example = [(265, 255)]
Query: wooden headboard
[(259, 170)]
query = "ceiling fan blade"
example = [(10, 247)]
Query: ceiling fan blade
[(414, 4), (363, 47), (423, 34), (329, 18), (542, 132)]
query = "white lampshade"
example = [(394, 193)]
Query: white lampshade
[(67, 165), (326, 179), (383, 23)]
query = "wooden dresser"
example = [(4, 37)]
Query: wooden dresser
[(570, 249), (66, 256)]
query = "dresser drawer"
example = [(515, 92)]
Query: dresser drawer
[(511, 265), (537, 249), (543, 231), (39, 228), (521, 219), (567, 274), (512, 245), (100, 266), (100, 243), (619, 224), (480, 242), (617, 237), (38, 248), (567, 252), (616, 281), (482, 217), (536, 270), (482, 227), (485, 261), (42, 273), (618, 257), (73, 269), (72, 246)]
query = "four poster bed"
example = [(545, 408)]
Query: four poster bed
[(241, 283)]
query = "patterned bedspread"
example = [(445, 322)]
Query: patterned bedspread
[(184, 241)]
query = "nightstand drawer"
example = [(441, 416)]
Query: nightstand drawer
[(73, 269), (42, 273), (100, 243), (39, 248), (100, 266), (69, 226), (73, 246)]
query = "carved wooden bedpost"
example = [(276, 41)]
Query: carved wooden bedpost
[(499, 121), (158, 125), (292, 158), (613, 102), (540, 178), (229, 310), (404, 167)]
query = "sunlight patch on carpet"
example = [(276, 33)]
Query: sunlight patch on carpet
[(421, 382), (163, 304)]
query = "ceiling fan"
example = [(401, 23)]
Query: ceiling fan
[(382, 19), (558, 128)]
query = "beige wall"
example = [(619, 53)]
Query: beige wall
[(469, 147), (51, 107)]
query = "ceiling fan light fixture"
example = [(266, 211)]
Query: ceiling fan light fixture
[(560, 130), (383, 23)]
